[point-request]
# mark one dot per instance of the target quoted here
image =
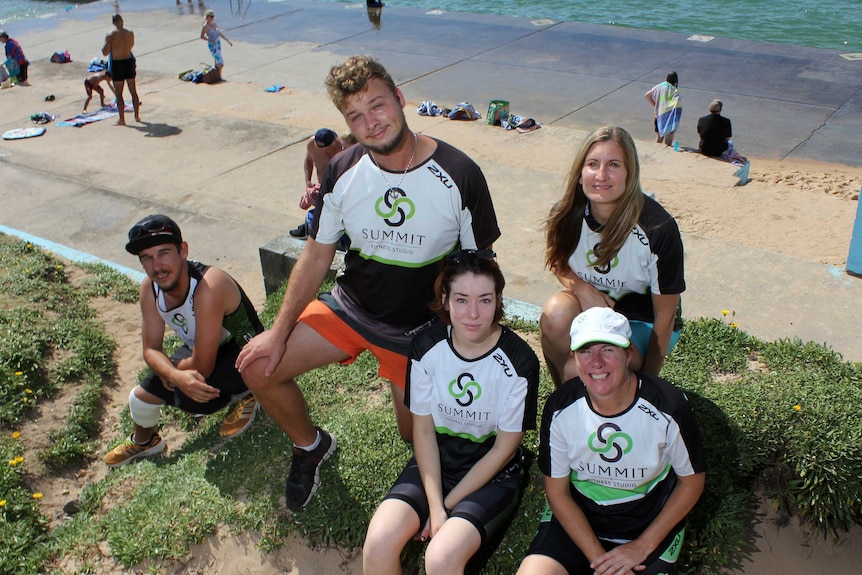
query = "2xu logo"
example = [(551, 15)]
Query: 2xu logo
[(617, 442), (396, 203)]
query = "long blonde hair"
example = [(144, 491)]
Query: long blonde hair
[(563, 226)]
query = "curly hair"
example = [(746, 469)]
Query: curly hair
[(352, 77), (563, 227)]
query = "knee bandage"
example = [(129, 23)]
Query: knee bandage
[(143, 413)]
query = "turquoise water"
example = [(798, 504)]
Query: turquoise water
[(834, 24), (12, 10)]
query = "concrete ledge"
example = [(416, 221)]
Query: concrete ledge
[(521, 309), (279, 255)]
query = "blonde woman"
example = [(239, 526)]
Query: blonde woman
[(213, 36), (612, 246)]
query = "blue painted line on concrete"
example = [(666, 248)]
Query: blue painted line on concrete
[(72, 254)]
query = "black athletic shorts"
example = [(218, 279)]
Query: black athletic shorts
[(225, 377), (487, 508)]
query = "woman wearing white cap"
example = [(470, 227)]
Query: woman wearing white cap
[(622, 461)]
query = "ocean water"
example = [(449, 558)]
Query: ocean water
[(12, 10), (834, 24)]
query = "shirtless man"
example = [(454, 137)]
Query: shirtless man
[(121, 66), (321, 148)]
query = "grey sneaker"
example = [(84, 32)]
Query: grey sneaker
[(304, 478)]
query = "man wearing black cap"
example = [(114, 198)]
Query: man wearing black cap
[(321, 148), (209, 311)]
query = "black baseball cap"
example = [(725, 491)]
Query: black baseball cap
[(323, 137), (153, 230)]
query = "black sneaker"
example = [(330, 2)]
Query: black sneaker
[(304, 478), (299, 232)]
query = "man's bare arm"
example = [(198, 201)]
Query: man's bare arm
[(305, 279)]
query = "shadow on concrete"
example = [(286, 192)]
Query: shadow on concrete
[(158, 130)]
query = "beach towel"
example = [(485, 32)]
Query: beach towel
[(101, 114), (742, 173), (668, 108), (97, 65), (464, 111)]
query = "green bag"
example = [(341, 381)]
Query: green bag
[(498, 111)]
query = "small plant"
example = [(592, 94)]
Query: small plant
[(105, 281), (23, 530)]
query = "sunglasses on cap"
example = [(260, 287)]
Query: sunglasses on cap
[(458, 256), (152, 231), (151, 228)]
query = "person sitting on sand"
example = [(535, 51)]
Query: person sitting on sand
[(91, 84), (714, 131), (121, 66)]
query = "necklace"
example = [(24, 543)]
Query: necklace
[(404, 173)]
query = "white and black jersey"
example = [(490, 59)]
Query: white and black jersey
[(239, 327), (401, 225), (471, 399), (622, 467), (649, 262)]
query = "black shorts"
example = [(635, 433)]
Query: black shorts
[(487, 508), (225, 377), (122, 69), (552, 541)]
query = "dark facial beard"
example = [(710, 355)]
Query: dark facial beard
[(167, 287), (385, 149)]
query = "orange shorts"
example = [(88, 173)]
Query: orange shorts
[(318, 316)]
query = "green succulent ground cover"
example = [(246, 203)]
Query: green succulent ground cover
[(779, 418)]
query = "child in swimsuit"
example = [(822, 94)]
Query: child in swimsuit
[(91, 84)]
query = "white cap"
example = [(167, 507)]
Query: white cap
[(600, 324)]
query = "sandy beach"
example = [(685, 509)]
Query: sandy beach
[(226, 161)]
